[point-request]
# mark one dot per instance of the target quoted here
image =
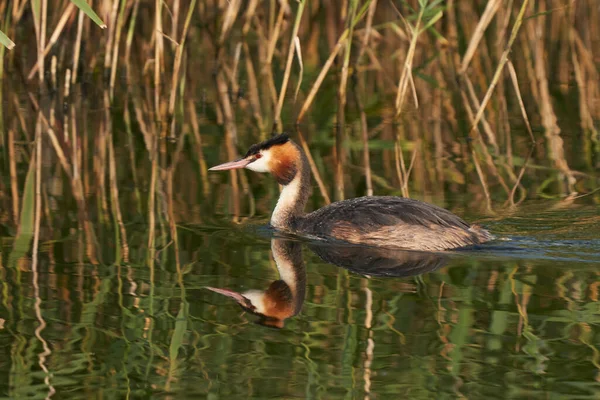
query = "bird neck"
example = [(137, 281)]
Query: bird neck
[(294, 195)]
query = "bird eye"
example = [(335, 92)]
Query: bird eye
[(257, 156)]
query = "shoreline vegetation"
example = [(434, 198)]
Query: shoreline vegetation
[(496, 100)]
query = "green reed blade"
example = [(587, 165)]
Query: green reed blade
[(85, 7), (25, 230), (36, 8), (5, 40)]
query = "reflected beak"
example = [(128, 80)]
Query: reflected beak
[(229, 293), (241, 163)]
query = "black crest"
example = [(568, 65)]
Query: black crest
[(276, 140)]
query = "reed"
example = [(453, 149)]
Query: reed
[(418, 98)]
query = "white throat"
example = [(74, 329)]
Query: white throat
[(286, 204)]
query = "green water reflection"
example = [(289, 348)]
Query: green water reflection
[(518, 318)]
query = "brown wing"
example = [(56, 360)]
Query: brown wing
[(390, 222), (372, 212)]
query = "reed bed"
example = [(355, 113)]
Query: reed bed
[(420, 98)]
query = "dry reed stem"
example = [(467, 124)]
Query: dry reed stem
[(370, 350), (413, 159), (172, 225), (76, 185), (127, 119), (587, 121), (14, 183), (401, 171), (35, 257), (19, 114), (315, 88), (340, 132), (367, 31), (112, 28), (129, 40), (469, 112), (313, 167), (139, 115), (518, 180), (18, 9), (501, 63), (406, 76), (152, 205), (437, 109), (158, 54), (399, 164), (489, 133), (288, 65), (486, 18), (515, 82), (274, 34), (53, 38), (77, 50), (484, 185), (42, 39), (232, 73), (170, 208), (199, 152), (229, 19), (175, 18), (230, 131), (76, 153), (112, 170), (115, 51), (250, 10), (253, 90), (301, 65), (178, 58), (365, 139), (593, 77), (549, 119), (99, 163)]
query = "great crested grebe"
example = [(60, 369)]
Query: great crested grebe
[(383, 221)]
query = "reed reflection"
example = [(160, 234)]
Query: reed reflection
[(284, 297)]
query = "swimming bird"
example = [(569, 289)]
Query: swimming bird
[(381, 221)]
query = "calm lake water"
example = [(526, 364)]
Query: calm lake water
[(517, 318)]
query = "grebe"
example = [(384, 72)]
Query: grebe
[(284, 297), (382, 221)]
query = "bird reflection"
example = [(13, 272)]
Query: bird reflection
[(284, 297)]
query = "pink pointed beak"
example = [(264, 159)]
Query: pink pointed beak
[(229, 293), (241, 163)]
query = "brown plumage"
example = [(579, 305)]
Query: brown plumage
[(383, 221)]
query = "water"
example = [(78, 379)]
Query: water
[(517, 318)]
